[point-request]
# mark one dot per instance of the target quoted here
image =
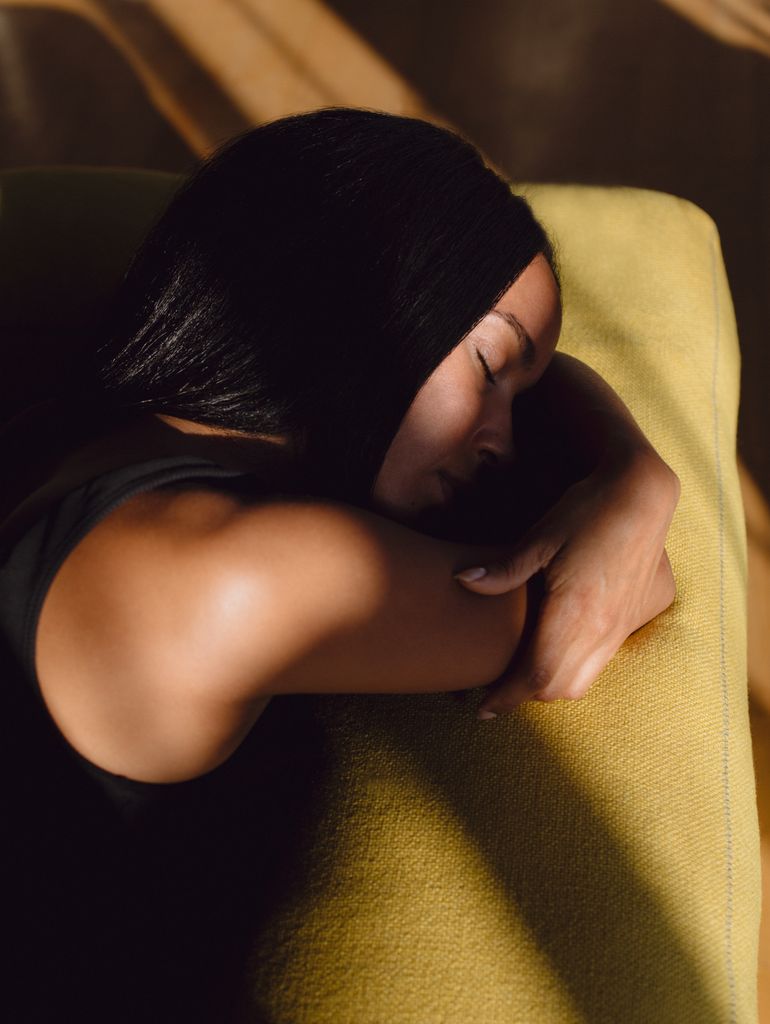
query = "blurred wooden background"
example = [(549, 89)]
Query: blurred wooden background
[(671, 95)]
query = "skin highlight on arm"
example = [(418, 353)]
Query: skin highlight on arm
[(212, 620), (380, 609)]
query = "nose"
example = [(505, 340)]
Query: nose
[(493, 442), (497, 458)]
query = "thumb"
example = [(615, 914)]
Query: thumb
[(505, 574)]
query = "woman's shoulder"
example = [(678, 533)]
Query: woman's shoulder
[(160, 628), (128, 614)]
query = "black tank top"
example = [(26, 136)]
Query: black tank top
[(29, 567), (115, 888), (32, 553)]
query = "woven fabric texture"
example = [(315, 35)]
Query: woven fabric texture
[(591, 861)]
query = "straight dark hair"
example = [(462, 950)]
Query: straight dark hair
[(308, 278)]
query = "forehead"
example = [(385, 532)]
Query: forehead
[(527, 316), (534, 301), (535, 286)]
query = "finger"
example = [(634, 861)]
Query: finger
[(576, 683), (532, 552), (560, 661), (571, 681), (505, 575), (537, 655)]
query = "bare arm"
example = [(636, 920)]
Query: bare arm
[(160, 639), (378, 607), (599, 545), (580, 420), (570, 424)]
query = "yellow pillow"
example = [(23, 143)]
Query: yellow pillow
[(592, 861)]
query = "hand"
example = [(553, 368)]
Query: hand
[(605, 574)]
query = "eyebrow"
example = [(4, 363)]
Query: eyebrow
[(528, 350)]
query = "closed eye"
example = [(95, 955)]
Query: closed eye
[(489, 375)]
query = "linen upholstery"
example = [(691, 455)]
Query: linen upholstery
[(590, 861)]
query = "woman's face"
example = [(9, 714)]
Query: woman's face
[(460, 419)]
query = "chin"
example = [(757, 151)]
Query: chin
[(393, 510), (408, 513), (435, 519)]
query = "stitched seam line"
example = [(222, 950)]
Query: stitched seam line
[(727, 808)]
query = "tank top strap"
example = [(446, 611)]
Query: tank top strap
[(47, 458), (35, 538)]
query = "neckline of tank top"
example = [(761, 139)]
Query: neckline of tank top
[(59, 435)]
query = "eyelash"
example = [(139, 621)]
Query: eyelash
[(489, 375)]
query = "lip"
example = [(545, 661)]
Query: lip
[(452, 485)]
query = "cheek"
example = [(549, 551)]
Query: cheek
[(435, 425), (434, 429)]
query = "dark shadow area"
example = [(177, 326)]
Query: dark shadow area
[(579, 893), (165, 921), (67, 96), (53, 292), (150, 917)]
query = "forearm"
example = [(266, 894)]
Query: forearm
[(379, 608), (578, 410), (564, 428)]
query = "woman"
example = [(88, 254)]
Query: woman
[(316, 352)]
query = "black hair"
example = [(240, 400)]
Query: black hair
[(309, 277)]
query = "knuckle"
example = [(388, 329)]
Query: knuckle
[(511, 562), (537, 679), (676, 483), (665, 585), (510, 567), (546, 551), (546, 697), (575, 691), (500, 570), (570, 692)]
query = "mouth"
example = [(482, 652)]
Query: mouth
[(450, 485)]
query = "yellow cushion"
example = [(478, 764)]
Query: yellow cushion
[(580, 861), (595, 861)]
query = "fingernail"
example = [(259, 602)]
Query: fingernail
[(469, 575), (484, 715)]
